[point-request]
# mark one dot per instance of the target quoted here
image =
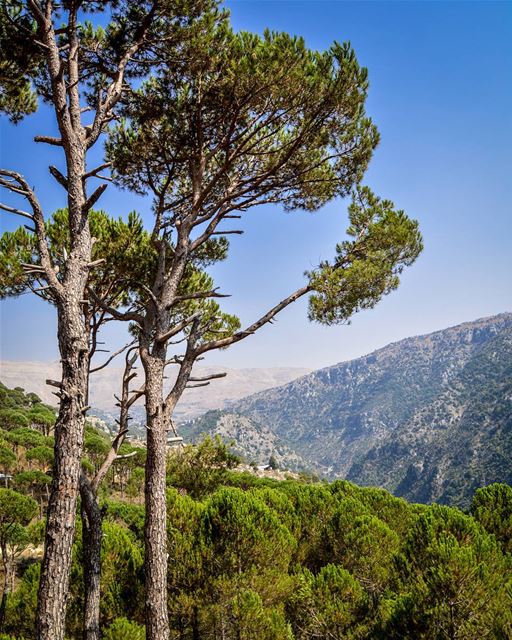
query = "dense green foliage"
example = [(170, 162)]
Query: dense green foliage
[(250, 120), (257, 558)]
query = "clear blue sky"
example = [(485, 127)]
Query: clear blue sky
[(441, 95)]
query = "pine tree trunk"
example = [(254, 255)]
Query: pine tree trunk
[(5, 592), (155, 532), (69, 429), (91, 544)]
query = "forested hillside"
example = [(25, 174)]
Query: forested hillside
[(256, 558), (428, 418)]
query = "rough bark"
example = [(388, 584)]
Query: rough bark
[(63, 70), (72, 336), (91, 541), (153, 354), (155, 530), (92, 515), (61, 515), (6, 585)]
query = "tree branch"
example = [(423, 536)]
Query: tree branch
[(125, 403), (118, 315), (55, 142), (18, 212), (61, 179), (213, 376), (94, 172), (265, 319), (186, 364), (178, 327), (112, 357), (125, 456), (114, 90), (93, 198), (226, 233), (199, 295), (37, 217)]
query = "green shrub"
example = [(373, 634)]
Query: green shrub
[(123, 629)]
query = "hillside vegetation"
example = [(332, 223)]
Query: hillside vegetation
[(428, 418), (255, 558)]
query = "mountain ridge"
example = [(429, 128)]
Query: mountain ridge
[(105, 383)]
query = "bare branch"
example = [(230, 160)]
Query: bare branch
[(93, 173), (199, 295), (18, 212), (112, 357), (55, 142), (15, 182), (186, 364), (39, 289), (96, 263), (61, 179), (54, 383), (265, 319), (178, 327), (13, 186), (94, 197), (125, 456), (213, 376), (125, 402), (101, 177), (226, 233)]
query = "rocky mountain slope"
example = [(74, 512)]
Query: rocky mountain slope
[(255, 442), (429, 417), (460, 441)]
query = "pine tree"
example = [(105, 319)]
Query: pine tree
[(245, 121), (492, 508), (81, 71), (448, 567), (16, 511)]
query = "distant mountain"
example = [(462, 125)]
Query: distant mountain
[(105, 383), (429, 417)]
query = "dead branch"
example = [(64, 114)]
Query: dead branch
[(198, 295), (213, 376), (94, 197), (265, 319), (112, 357), (61, 179), (178, 327), (54, 383), (56, 142), (18, 212), (93, 173)]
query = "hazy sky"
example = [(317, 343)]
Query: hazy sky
[(441, 95)]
